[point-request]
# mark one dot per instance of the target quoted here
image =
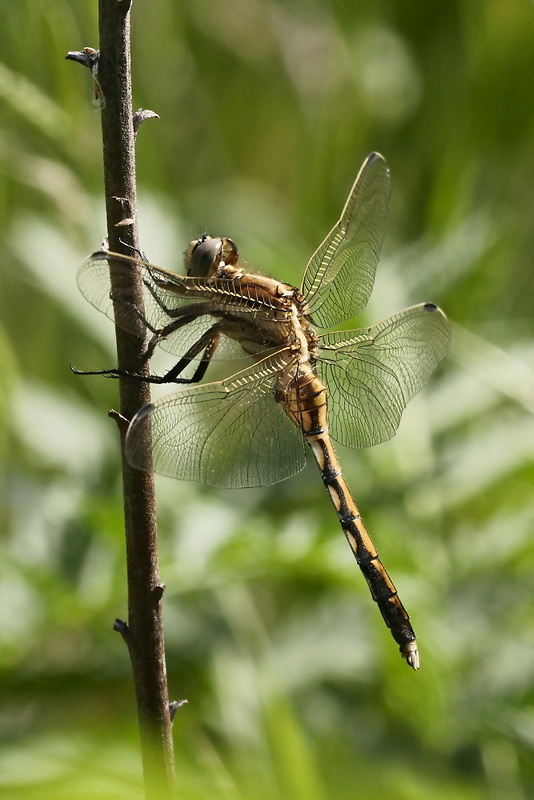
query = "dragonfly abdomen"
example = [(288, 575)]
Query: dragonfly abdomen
[(381, 586), (304, 400)]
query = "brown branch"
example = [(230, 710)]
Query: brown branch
[(143, 633)]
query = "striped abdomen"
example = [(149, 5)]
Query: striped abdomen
[(305, 403)]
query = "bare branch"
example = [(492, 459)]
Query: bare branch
[(110, 67)]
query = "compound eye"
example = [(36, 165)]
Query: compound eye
[(202, 257)]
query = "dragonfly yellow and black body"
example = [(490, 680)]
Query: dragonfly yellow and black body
[(302, 385)]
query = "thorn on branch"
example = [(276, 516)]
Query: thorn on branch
[(124, 630), (157, 592), (121, 421), (174, 705), (140, 115), (89, 57), (125, 209)]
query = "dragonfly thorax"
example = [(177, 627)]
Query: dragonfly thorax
[(304, 338)]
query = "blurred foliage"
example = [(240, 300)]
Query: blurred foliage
[(294, 687)]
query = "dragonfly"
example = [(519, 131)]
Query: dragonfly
[(301, 385)]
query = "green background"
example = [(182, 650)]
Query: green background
[(295, 689)]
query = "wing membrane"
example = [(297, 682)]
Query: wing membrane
[(350, 252), (229, 434), (94, 283), (372, 373)]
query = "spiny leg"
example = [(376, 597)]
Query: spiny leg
[(207, 342)]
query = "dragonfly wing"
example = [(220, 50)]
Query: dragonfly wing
[(340, 275), (230, 434), (372, 373), (95, 285)]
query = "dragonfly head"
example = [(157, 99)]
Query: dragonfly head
[(206, 255)]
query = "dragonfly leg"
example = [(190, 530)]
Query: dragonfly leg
[(161, 284), (180, 317), (207, 343), (186, 315), (139, 253), (133, 308), (164, 307)]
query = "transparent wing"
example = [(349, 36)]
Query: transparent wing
[(94, 283), (339, 278), (372, 373), (230, 434)]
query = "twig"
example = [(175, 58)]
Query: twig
[(143, 633)]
